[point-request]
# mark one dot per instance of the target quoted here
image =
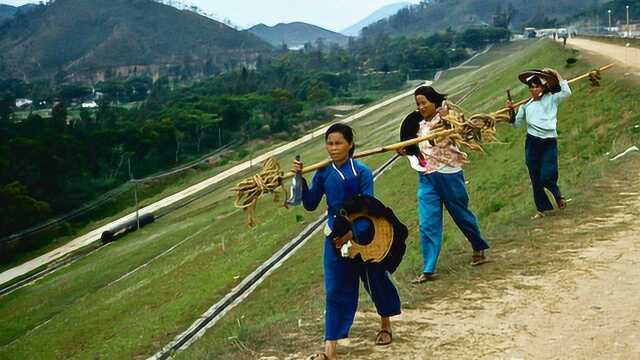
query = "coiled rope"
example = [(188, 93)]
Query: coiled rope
[(473, 133), (249, 190)]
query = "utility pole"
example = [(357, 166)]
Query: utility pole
[(628, 30), (135, 194)]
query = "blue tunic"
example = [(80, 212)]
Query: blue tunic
[(341, 276)]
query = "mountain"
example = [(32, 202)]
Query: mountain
[(438, 15), (296, 34), (386, 11), (92, 40), (8, 12), (618, 14)]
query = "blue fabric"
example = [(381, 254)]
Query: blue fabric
[(342, 277), (541, 156), (437, 189)]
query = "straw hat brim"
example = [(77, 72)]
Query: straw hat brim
[(548, 78)]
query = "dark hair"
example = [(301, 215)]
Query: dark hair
[(346, 131), (535, 80), (409, 130), (431, 94)]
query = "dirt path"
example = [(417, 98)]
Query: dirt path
[(584, 308), (587, 310), (625, 55)]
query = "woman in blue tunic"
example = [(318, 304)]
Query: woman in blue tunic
[(344, 178)]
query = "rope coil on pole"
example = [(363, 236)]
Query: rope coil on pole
[(251, 189)]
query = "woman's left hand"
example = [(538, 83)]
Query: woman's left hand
[(554, 72), (443, 110), (297, 166)]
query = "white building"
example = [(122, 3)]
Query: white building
[(89, 105), (23, 102)]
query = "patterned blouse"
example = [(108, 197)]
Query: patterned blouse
[(445, 158)]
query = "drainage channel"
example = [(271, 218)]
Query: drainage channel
[(248, 285)]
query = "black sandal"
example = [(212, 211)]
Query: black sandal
[(319, 356), (379, 337), (478, 258)]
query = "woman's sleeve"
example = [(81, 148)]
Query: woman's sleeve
[(520, 116), (366, 181), (311, 196), (564, 93)]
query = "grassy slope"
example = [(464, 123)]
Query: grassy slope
[(500, 195), (101, 314), (150, 192), (74, 314)]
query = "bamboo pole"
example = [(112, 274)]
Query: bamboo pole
[(378, 150), (396, 146), (519, 103), (271, 177)]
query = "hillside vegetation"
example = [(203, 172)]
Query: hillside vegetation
[(297, 34), (437, 15), (111, 305), (91, 40)]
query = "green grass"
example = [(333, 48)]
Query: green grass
[(75, 313)]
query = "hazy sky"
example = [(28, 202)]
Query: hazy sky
[(331, 14)]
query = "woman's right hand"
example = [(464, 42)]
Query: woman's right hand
[(510, 104), (297, 166)]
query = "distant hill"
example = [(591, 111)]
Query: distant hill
[(296, 34), (438, 15), (386, 11), (91, 40), (8, 12), (618, 14)]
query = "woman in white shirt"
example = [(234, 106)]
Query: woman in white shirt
[(547, 89)]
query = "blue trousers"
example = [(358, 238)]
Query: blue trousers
[(341, 282), (541, 156), (434, 190)]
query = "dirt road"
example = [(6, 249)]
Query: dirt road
[(588, 310), (627, 56)]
